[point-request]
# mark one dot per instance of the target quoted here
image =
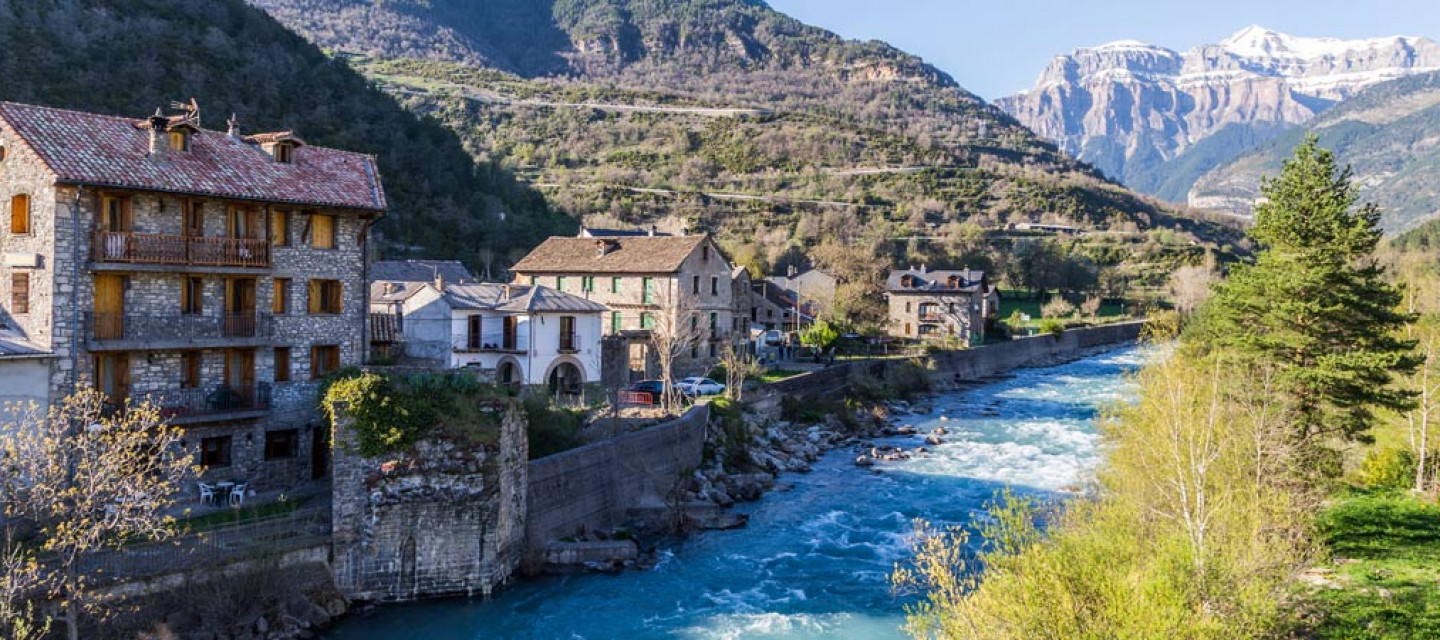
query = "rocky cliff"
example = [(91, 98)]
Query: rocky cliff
[(1136, 111)]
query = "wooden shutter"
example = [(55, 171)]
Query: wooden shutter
[(334, 301), (280, 303), (473, 332), (314, 297), (20, 293), (20, 214)]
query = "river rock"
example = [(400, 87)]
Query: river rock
[(864, 461), (944, 419), (939, 431), (933, 440)]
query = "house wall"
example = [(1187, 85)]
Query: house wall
[(427, 326), (22, 172), (537, 336), (23, 381), (963, 320)]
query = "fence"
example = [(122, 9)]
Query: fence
[(210, 547)]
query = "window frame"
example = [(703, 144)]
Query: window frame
[(280, 304), (330, 363), (192, 300), (280, 228), (224, 446), (614, 284), (325, 241), (280, 360), (192, 367), (326, 297)]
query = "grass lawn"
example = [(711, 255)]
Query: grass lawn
[(1386, 579), (236, 516), (775, 375), (1010, 301)]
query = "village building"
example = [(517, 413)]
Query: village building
[(680, 285), (812, 287), (394, 281), (773, 308), (215, 274), (520, 335), (940, 304)]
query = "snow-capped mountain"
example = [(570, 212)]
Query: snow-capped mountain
[(1156, 118)]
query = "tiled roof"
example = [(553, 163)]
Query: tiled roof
[(384, 327), (516, 298), (595, 232), (110, 151), (643, 254), (392, 291), (419, 271), (966, 280)]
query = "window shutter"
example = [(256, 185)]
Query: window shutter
[(20, 293), (313, 299)]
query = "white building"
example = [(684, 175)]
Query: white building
[(528, 335)]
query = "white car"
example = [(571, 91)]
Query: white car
[(699, 387)]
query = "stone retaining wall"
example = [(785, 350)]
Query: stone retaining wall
[(594, 487)]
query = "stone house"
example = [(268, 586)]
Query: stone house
[(524, 335), (773, 309), (216, 274), (941, 304), (394, 281), (676, 284), (814, 287)]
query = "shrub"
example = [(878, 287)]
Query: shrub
[(1052, 326), (1387, 468), (392, 412), (1057, 307), (551, 429)]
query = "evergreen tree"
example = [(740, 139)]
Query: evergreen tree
[(1314, 308)]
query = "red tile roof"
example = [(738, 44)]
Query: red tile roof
[(99, 150)]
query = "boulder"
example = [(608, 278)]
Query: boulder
[(933, 440), (864, 461)]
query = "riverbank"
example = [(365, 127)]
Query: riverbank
[(815, 562)]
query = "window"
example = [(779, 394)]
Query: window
[(559, 283), (20, 214), (587, 284), (705, 253), (282, 444), (284, 153), (323, 360), (647, 321), (325, 297), (714, 321), (190, 369), (472, 332), (647, 291), (192, 295), (19, 293), (280, 228), (615, 322), (115, 214), (179, 141), (245, 222), (215, 452), (712, 350), (907, 328), (695, 285), (322, 231), (280, 298), (907, 307), (534, 280), (615, 285), (282, 364), (567, 333), (714, 285), (694, 322), (694, 351)]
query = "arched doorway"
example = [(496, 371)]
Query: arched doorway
[(509, 374), (566, 378)]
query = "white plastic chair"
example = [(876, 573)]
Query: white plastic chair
[(237, 495), (207, 494)]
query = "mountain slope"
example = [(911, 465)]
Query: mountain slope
[(1389, 134), (722, 114), (1156, 119), (127, 57)]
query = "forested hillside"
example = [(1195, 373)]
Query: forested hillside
[(127, 57), (727, 116)]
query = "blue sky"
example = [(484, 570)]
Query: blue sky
[(995, 48)]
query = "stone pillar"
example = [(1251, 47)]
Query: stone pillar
[(348, 496)]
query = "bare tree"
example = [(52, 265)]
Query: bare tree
[(89, 478), (739, 364), (1190, 286), (672, 332)]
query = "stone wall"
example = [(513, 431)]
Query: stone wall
[(436, 521), (595, 487)]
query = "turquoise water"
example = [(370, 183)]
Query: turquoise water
[(815, 559)]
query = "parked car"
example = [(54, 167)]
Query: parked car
[(696, 386), (655, 388)]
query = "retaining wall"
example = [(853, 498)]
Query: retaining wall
[(595, 486)]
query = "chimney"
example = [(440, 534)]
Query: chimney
[(506, 289), (922, 267), (439, 281), (233, 127), (158, 144), (652, 231)]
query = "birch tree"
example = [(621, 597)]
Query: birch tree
[(672, 333)]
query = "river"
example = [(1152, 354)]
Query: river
[(815, 559)]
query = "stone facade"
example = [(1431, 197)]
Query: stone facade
[(940, 305), (441, 521), (211, 367)]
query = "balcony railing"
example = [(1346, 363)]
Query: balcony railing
[(159, 248), (115, 326), (212, 400)]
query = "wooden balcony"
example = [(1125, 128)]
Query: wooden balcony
[(214, 402), (124, 247), (115, 331)]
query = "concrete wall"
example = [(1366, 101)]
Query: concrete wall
[(23, 381), (594, 487)]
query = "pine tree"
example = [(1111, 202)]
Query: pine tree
[(1315, 308)]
